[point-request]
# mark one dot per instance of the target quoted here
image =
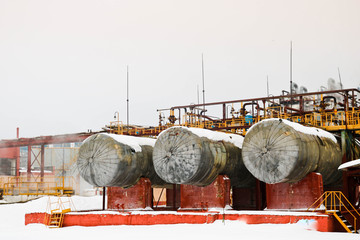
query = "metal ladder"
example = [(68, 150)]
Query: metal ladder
[(56, 211)]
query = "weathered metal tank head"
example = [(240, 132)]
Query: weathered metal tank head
[(192, 156), (114, 160), (277, 150)]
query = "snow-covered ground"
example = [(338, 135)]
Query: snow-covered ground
[(12, 227)]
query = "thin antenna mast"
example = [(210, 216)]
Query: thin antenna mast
[(290, 68), (198, 98), (267, 84), (127, 96), (341, 86), (203, 78), (291, 83)]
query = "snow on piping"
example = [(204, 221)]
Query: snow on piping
[(300, 128), (133, 142), (353, 163), (235, 139)]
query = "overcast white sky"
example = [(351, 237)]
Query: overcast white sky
[(63, 63)]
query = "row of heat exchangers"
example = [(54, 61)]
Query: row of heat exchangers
[(273, 151)]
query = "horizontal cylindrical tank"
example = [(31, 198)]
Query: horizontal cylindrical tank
[(197, 156), (116, 160), (277, 150)]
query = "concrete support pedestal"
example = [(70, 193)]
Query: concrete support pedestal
[(215, 195), (136, 197), (296, 196)]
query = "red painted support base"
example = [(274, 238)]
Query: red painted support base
[(300, 195), (215, 195), (136, 197), (243, 198), (173, 197), (323, 223)]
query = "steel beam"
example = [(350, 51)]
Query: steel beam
[(344, 91), (44, 140)]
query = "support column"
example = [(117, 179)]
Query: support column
[(173, 197), (137, 197), (300, 195), (29, 163), (345, 189), (42, 165), (215, 195), (17, 155)]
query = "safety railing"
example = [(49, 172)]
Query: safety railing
[(30, 185), (335, 202), (330, 121), (55, 210), (116, 127)]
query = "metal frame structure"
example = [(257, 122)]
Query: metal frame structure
[(317, 109), (41, 141), (336, 111), (38, 184)]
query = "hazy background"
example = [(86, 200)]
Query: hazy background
[(63, 63)]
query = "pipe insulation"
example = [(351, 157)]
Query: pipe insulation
[(277, 150), (107, 160), (197, 156)]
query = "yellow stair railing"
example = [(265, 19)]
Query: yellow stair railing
[(335, 203), (56, 211)]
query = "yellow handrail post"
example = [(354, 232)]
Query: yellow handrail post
[(336, 207)]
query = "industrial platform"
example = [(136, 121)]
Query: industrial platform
[(320, 222)]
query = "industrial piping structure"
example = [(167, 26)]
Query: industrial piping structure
[(336, 111)]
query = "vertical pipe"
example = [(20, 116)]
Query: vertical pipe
[(203, 79), (63, 168), (42, 164), (104, 194), (29, 163), (258, 195), (344, 159), (264, 106), (224, 112), (17, 155), (174, 197)]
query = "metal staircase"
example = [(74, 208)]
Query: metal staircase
[(57, 218), (336, 204), (342, 220), (56, 211)]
